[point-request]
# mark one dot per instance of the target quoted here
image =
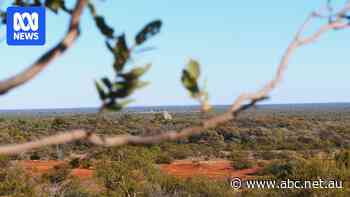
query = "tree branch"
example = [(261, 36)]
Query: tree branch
[(28, 74), (242, 103)]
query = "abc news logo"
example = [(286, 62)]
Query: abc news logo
[(26, 26)]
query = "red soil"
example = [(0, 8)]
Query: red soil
[(215, 169), (38, 167)]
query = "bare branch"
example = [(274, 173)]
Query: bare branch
[(242, 103), (28, 74)]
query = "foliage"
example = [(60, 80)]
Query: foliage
[(15, 183), (189, 79), (271, 141), (240, 160), (343, 159), (75, 189), (114, 92), (164, 159), (58, 174)]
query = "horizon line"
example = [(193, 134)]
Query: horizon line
[(171, 105)]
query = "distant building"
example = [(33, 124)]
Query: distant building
[(167, 116)]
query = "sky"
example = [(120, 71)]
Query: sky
[(238, 43)]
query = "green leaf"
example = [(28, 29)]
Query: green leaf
[(101, 92), (113, 106), (36, 3), (92, 9), (107, 83), (109, 47), (103, 27), (193, 69), (54, 5), (126, 102), (123, 89), (190, 83), (148, 31), (142, 84), (19, 3), (121, 53), (3, 17), (136, 72)]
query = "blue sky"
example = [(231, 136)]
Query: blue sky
[(239, 44)]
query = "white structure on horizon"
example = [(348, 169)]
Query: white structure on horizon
[(167, 116)]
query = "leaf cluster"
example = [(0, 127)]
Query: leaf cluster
[(114, 92), (190, 77)]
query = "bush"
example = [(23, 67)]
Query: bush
[(14, 182), (242, 164), (163, 159), (85, 163), (35, 156), (4, 161), (343, 159), (279, 169), (177, 151), (58, 174), (75, 163), (239, 160), (74, 189)]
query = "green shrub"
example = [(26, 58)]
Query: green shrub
[(198, 187), (75, 163), (279, 169), (4, 161), (163, 159), (343, 159), (242, 164), (239, 160), (85, 163), (58, 174), (74, 189), (14, 182), (117, 178), (35, 156)]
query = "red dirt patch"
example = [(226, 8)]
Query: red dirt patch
[(38, 167), (82, 173), (216, 169)]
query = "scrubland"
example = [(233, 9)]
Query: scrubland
[(262, 144)]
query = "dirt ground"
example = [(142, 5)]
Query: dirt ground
[(215, 169), (38, 167)]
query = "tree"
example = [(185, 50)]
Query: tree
[(114, 93)]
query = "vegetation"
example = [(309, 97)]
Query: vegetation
[(307, 145)]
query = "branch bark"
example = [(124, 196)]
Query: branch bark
[(28, 74)]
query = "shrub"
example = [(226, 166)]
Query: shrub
[(242, 164), (85, 163), (35, 156), (58, 174), (4, 161), (198, 187), (75, 163), (14, 182), (239, 160), (117, 178), (163, 159), (343, 159), (279, 169), (74, 189)]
